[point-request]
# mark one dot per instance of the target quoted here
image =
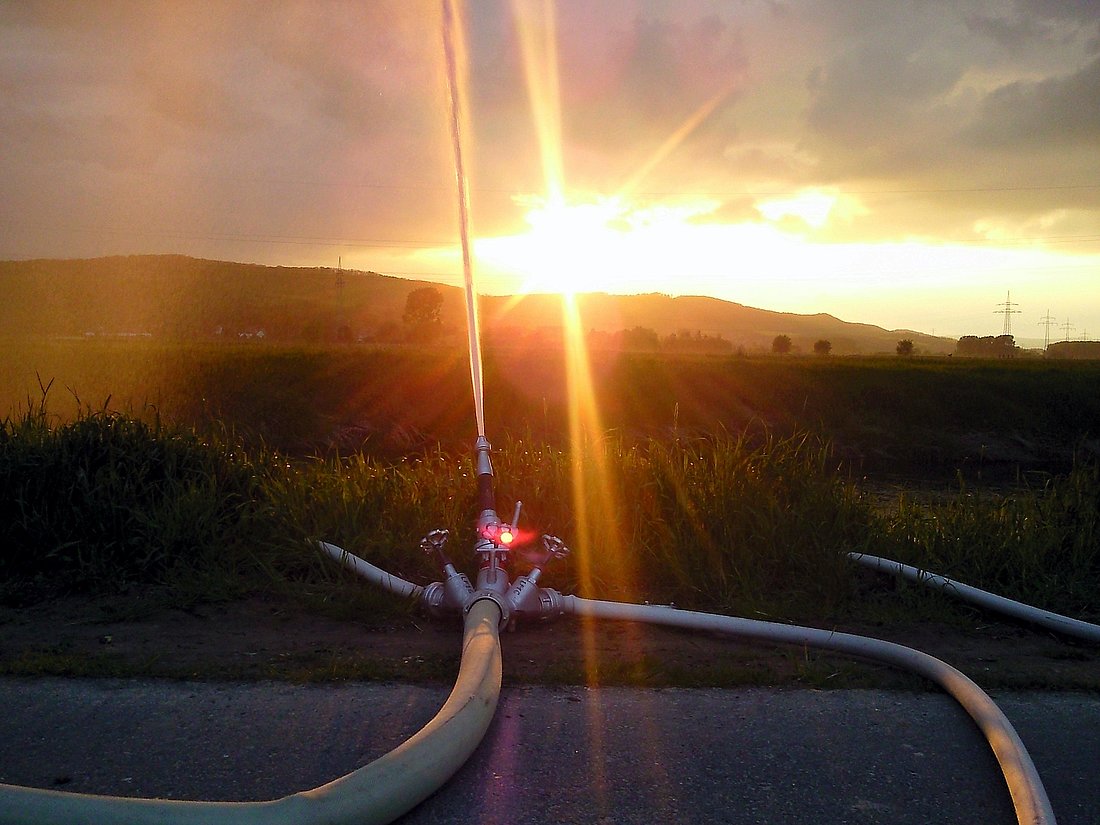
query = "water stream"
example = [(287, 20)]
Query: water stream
[(452, 34)]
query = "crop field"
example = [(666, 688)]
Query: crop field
[(915, 418), (725, 484)]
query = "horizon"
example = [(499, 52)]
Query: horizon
[(1023, 342), (899, 166)]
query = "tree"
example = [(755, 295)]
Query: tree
[(822, 347), (423, 306), (698, 341), (904, 347), (640, 338), (421, 315), (781, 344)]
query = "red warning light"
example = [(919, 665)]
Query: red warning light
[(499, 533)]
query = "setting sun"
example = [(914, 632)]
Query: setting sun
[(606, 245), (567, 248)]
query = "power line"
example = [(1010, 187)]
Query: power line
[(441, 186)]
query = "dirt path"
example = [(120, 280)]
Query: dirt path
[(266, 639)]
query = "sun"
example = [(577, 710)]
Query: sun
[(567, 248), (607, 244)]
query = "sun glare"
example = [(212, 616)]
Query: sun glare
[(607, 245), (567, 248)]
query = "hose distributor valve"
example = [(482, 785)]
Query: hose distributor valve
[(525, 597), (449, 595), (494, 547)]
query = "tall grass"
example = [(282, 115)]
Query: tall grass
[(721, 522), (1041, 546), (110, 498), (755, 526)]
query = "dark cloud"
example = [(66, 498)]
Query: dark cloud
[(1078, 11), (972, 117), (1012, 33), (874, 94), (1048, 114), (1028, 22)]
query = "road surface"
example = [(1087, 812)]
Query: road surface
[(562, 755)]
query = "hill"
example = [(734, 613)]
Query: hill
[(747, 327), (177, 297)]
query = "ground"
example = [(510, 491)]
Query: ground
[(270, 638)]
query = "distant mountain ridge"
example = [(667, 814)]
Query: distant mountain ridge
[(175, 296)]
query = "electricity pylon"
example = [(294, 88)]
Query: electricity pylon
[(1008, 311), (1047, 321)]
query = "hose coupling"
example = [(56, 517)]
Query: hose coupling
[(501, 603), (448, 596), (552, 548)]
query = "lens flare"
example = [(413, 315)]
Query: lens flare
[(537, 28)]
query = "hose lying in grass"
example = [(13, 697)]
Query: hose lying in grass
[(1024, 785), (375, 794), (983, 598), (372, 573)]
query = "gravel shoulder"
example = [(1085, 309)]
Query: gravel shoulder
[(269, 639)]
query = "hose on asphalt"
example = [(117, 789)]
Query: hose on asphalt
[(1029, 797), (375, 794)]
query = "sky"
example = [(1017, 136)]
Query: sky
[(911, 165)]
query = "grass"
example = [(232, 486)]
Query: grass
[(752, 525), (1040, 546)]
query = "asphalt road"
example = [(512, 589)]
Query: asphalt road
[(562, 755)]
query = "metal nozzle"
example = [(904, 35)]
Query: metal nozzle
[(482, 448)]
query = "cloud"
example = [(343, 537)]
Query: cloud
[(629, 77), (280, 120), (296, 119), (1048, 114), (654, 75), (944, 120), (874, 104)]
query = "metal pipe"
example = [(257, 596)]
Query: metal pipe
[(983, 598), (375, 794), (1024, 785), (486, 499)]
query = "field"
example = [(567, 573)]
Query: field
[(915, 418), (727, 484)]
